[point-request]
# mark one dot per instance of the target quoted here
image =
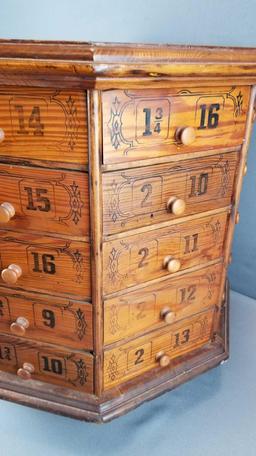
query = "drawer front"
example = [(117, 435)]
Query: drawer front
[(51, 364), (132, 359), (48, 264), (161, 304), (43, 318), (44, 124), (50, 201), (140, 196), (147, 256), (142, 124)]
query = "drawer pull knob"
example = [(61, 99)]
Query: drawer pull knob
[(167, 315), (25, 371), (245, 169), (237, 218), (172, 264), (19, 326), (7, 211), (176, 205), (11, 274), (163, 359), (2, 135), (186, 135)]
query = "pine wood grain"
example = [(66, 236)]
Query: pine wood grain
[(44, 124), (52, 320), (137, 312), (135, 357), (50, 265), (46, 200), (138, 197), (139, 258), (52, 364), (143, 124)]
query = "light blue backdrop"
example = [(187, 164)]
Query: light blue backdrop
[(215, 22)]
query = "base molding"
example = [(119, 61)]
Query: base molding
[(118, 401)]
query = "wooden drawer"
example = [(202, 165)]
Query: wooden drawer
[(51, 364), (142, 124), (48, 264), (140, 196), (50, 201), (161, 304), (44, 124), (135, 357), (135, 259), (47, 319)]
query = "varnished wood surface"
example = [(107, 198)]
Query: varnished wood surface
[(93, 65), (44, 124), (51, 364), (135, 357), (46, 200), (138, 197), (50, 265), (139, 311), (142, 124), (140, 258), (117, 401), (160, 119), (51, 319)]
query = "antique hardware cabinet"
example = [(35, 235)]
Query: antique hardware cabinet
[(120, 173)]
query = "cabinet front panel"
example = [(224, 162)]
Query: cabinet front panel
[(142, 257), (46, 200), (44, 124), (142, 124), (51, 364), (156, 305), (48, 264), (138, 197), (51, 320), (133, 358)]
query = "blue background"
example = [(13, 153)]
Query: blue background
[(216, 413)]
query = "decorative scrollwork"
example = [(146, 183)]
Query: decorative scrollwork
[(112, 368), (72, 123), (115, 125), (113, 319), (216, 230), (113, 263), (211, 278), (81, 370)]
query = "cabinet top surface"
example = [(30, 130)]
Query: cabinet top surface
[(91, 62)]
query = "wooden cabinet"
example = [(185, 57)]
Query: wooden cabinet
[(121, 168)]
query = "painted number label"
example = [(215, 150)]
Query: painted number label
[(152, 120), (37, 198), (52, 366), (27, 116)]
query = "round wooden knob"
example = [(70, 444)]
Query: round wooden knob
[(25, 371), (172, 264), (176, 205), (11, 274), (167, 315), (186, 135), (7, 211), (237, 218), (19, 326), (245, 169), (163, 359), (2, 135)]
